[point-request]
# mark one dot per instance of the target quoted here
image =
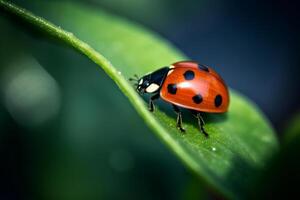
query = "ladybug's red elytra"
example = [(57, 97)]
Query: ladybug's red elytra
[(189, 85)]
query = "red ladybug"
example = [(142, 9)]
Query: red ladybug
[(189, 85)]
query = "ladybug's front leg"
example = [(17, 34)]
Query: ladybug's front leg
[(151, 104), (179, 118)]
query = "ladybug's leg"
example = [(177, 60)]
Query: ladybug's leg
[(179, 118), (151, 104), (201, 122)]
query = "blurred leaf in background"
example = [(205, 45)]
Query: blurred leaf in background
[(283, 176)]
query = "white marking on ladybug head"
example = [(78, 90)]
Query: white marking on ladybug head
[(141, 81), (153, 87)]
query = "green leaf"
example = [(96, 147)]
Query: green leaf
[(241, 141), (292, 132)]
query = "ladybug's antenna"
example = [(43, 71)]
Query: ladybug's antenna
[(133, 79), (136, 78)]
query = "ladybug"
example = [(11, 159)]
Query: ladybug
[(189, 85)]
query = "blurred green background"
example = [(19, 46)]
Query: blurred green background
[(71, 137)]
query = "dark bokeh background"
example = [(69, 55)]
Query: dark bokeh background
[(61, 145)]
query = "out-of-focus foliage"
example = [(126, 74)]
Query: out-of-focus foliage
[(240, 142), (292, 132), (282, 177)]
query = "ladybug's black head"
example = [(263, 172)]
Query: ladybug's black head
[(151, 83)]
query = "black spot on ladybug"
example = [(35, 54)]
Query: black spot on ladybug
[(172, 88), (197, 98), (203, 67), (218, 100), (189, 75)]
